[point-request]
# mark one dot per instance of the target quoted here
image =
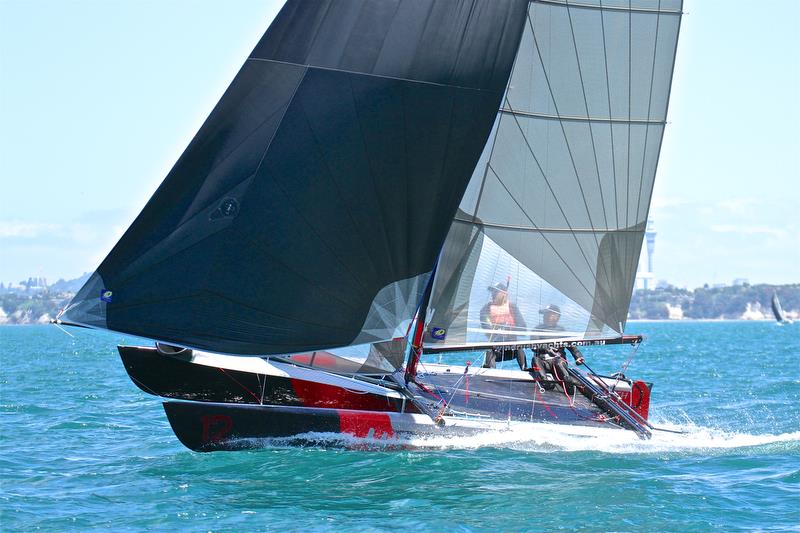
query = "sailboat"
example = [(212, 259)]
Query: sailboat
[(385, 189), (777, 310)]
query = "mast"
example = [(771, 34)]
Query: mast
[(415, 351)]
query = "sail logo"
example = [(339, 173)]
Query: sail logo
[(228, 208), (106, 296), (438, 333)]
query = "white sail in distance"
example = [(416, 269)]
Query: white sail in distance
[(555, 212)]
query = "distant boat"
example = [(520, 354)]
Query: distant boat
[(387, 180), (777, 310)]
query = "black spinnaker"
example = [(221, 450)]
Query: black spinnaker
[(309, 210)]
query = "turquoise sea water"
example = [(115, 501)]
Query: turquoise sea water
[(81, 447)]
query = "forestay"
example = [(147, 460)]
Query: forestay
[(556, 209), (311, 207)]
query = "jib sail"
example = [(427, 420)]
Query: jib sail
[(549, 232)]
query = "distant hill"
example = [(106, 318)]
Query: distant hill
[(72, 285), (30, 307), (736, 302)]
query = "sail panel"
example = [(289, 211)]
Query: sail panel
[(378, 358), (559, 199), (310, 208)]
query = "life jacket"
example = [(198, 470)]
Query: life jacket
[(501, 315)]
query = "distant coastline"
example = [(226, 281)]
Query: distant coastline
[(35, 302)]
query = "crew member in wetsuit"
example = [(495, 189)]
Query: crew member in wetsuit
[(500, 314), (554, 360)]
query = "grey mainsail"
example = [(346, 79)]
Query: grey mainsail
[(310, 208), (555, 212)]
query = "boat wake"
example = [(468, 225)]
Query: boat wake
[(550, 438)]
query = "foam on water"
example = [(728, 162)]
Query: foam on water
[(546, 438)]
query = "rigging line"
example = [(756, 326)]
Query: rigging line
[(563, 130), (558, 204), (610, 124), (586, 105), (649, 107), (251, 393), (566, 263)]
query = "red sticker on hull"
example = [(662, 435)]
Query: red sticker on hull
[(314, 394), (370, 425)]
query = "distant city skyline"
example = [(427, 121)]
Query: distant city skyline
[(99, 99)]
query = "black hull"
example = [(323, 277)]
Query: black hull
[(224, 408), (206, 427)]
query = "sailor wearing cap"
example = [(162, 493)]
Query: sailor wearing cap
[(550, 317), (554, 360), (498, 315)]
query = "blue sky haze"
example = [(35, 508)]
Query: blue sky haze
[(98, 99)]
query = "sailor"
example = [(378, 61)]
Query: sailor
[(550, 317), (554, 360), (499, 314)]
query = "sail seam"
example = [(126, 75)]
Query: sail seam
[(573, 118), (550, 230), (558, 204), (566, 263), (421, 82), (601, 7)]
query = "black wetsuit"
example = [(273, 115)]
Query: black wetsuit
[(554, 361)]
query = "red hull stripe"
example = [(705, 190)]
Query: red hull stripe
[(313, 394), (359, 424)]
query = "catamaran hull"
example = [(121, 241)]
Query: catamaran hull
[(223, 402), (205, 427)]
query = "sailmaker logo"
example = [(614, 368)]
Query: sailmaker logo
[(438, 333), (106, 295)]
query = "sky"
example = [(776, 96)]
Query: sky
[(99, 98)]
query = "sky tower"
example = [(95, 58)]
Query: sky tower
[(650, 234), (645, 277)]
